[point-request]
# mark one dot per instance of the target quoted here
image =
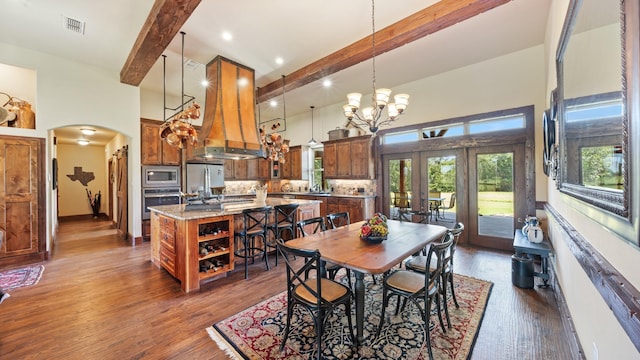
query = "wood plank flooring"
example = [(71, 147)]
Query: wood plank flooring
[(100, 298)]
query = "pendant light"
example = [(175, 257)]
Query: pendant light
[(372, 116), (312, 141)]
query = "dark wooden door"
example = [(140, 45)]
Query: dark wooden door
[(22, 205), (122, 193)]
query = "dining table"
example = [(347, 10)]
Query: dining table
[(343, 246)]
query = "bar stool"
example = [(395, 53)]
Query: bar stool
[(284, 221), (255, 224)]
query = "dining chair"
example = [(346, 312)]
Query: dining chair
[(401, 202), (452, 204), (419, 263), (284, 222), (413, 286), (338, 219), (255, 224), (312, 226), (319, 295)]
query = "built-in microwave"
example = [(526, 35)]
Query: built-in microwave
[(160, 176)]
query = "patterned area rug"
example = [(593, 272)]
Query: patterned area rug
[(17, 278), (256, 332)]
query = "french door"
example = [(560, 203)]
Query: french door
[(497, 196), (442, 185)]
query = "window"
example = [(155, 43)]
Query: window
[(474, 126)]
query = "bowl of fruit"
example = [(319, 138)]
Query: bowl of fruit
[(375, 230)]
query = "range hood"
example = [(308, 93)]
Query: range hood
[(229, 126)]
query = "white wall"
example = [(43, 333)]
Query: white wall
[(513, 80), (594, 321), (70, 93)]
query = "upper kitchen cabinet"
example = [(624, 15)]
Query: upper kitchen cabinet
[(229, 169), (258, 169), (296, 166), (347, 158), (154, 151)]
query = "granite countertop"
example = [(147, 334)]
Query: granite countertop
[(306, 193), (178, 211)]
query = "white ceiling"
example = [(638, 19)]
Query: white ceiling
[(298, 31)]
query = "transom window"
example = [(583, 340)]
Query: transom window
[(476, 126)]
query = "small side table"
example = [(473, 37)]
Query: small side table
[(522, 245)]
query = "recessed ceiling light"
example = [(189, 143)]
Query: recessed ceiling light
[(88, 131), (227, 36), (83, 142), (326, 83), (273, 103), (279, 60)]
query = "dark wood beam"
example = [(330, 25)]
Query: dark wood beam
[(427, 21), (163, 23)]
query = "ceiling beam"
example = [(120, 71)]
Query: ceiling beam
[(163, 23), (426, 21)]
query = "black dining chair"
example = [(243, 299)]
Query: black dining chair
[(284, 223), (419, 263), (413, 287), (255, 224), (312, 226), (317, 294), (338, 219)]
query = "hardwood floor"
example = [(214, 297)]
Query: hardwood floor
[(100, 298)]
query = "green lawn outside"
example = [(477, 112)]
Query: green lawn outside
[(495, 203)]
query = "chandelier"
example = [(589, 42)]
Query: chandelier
[(275, 146), (372, 116), (177, 129)]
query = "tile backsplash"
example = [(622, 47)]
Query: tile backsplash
[(339, 187)]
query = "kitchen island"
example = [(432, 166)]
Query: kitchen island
[(198, 246)]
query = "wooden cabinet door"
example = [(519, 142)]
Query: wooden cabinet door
[(360, 158), (264, 169), (150, 144), (285, 169), (252, 169), (154, 151), (295, 155), (229, 169), (333, 205), (170, 154), (22, 200), (356, 209), (240, 169), (343, 152), (329, 161)]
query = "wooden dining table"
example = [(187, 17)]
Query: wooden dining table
[(344, 247)]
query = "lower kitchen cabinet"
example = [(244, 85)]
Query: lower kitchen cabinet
[(192, 251), (358, 208)]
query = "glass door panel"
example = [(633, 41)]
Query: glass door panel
[(399, 183), (497, 194), (442, 188)]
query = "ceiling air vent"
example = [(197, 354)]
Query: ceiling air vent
[(74, 25), (191, 64)]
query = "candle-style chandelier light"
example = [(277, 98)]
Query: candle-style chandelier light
[(275, 146), (372, 117)]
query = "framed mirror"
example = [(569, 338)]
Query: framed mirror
[(597, 111)]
